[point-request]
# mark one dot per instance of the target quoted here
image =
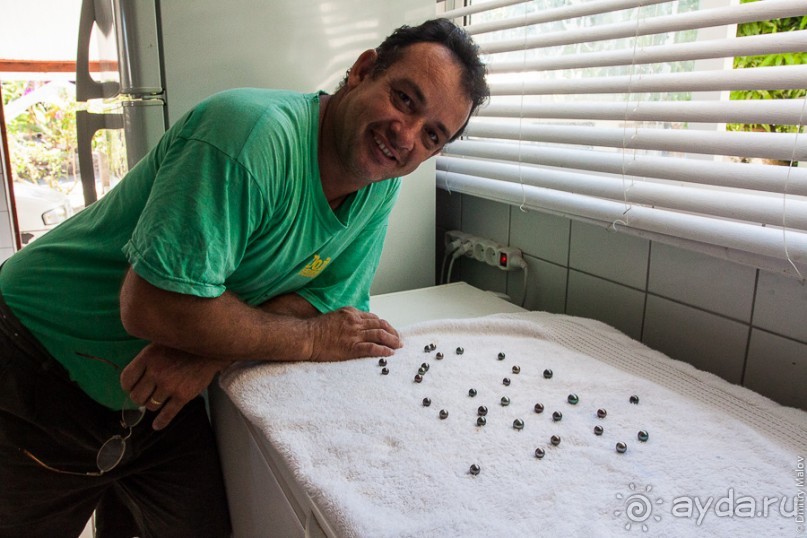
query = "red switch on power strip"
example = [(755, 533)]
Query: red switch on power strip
[(508, 259)]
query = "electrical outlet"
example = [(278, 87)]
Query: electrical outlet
[(484, 250), (456, 235)]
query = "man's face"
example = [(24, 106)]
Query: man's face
[(395, 121)]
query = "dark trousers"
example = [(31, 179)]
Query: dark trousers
[(168, 484)]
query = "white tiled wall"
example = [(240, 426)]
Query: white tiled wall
[(745, 325)]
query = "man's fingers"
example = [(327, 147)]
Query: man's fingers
[(349, 333), (132, 374), (380, 330), (384, 337), (385, 325), (141, 392), (167, 414), (368, 349), (390, 328), (155, 401)]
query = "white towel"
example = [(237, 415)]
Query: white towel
[(720, 460)]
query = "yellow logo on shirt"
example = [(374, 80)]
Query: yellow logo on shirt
[(314, 268)]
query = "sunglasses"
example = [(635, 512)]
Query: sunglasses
[(111, 452)]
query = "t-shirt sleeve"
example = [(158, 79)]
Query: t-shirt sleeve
[(347, 280), (196, 224)]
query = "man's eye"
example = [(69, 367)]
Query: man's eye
[(404, 98), (433, 137)]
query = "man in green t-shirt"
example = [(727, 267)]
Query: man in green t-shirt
[(252, 231)]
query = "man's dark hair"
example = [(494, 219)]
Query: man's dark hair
[(451, 36), (454, 38)]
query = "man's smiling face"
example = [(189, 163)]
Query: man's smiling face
[(392, 122)]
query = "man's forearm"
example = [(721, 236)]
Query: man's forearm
[(290, 304), (287, 328), (223, 327)]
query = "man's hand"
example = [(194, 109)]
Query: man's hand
[(349, 333), (163, 378)]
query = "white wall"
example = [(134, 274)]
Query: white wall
[(210, 45), (742, 324)]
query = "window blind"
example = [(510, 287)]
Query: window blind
[(630, 114)]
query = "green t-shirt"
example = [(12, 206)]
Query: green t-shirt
[(230, 199)]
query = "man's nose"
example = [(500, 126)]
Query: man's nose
[(405, 133)]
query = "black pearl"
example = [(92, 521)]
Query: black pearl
[(598, 430), (539, 453), (634, 399), (555, 440), (481, 421), (421, 371), (429, 347), (506, 381), (505, 401), (547, 374), (501, 356), (384, 371), (443, 413), (471, 392), (482, 411), (427, 402), (516, 369), (518, 424), (418, 378), (557, 416), (382, 362), (475, 469), (601, 413), (621, 447), (539, 408), (573, 399), (439, 356), (460, 351), (425, 366), (643, 436)]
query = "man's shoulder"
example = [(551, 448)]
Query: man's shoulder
[(255, 100), (233, 119)]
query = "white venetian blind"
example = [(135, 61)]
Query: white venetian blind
[(615, 112)]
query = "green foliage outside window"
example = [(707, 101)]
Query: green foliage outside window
[(787, 24), (43, 143), (42, 140)]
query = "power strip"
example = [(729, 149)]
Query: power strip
[(484, 250)]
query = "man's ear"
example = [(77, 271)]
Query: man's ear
[(362, 67)]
